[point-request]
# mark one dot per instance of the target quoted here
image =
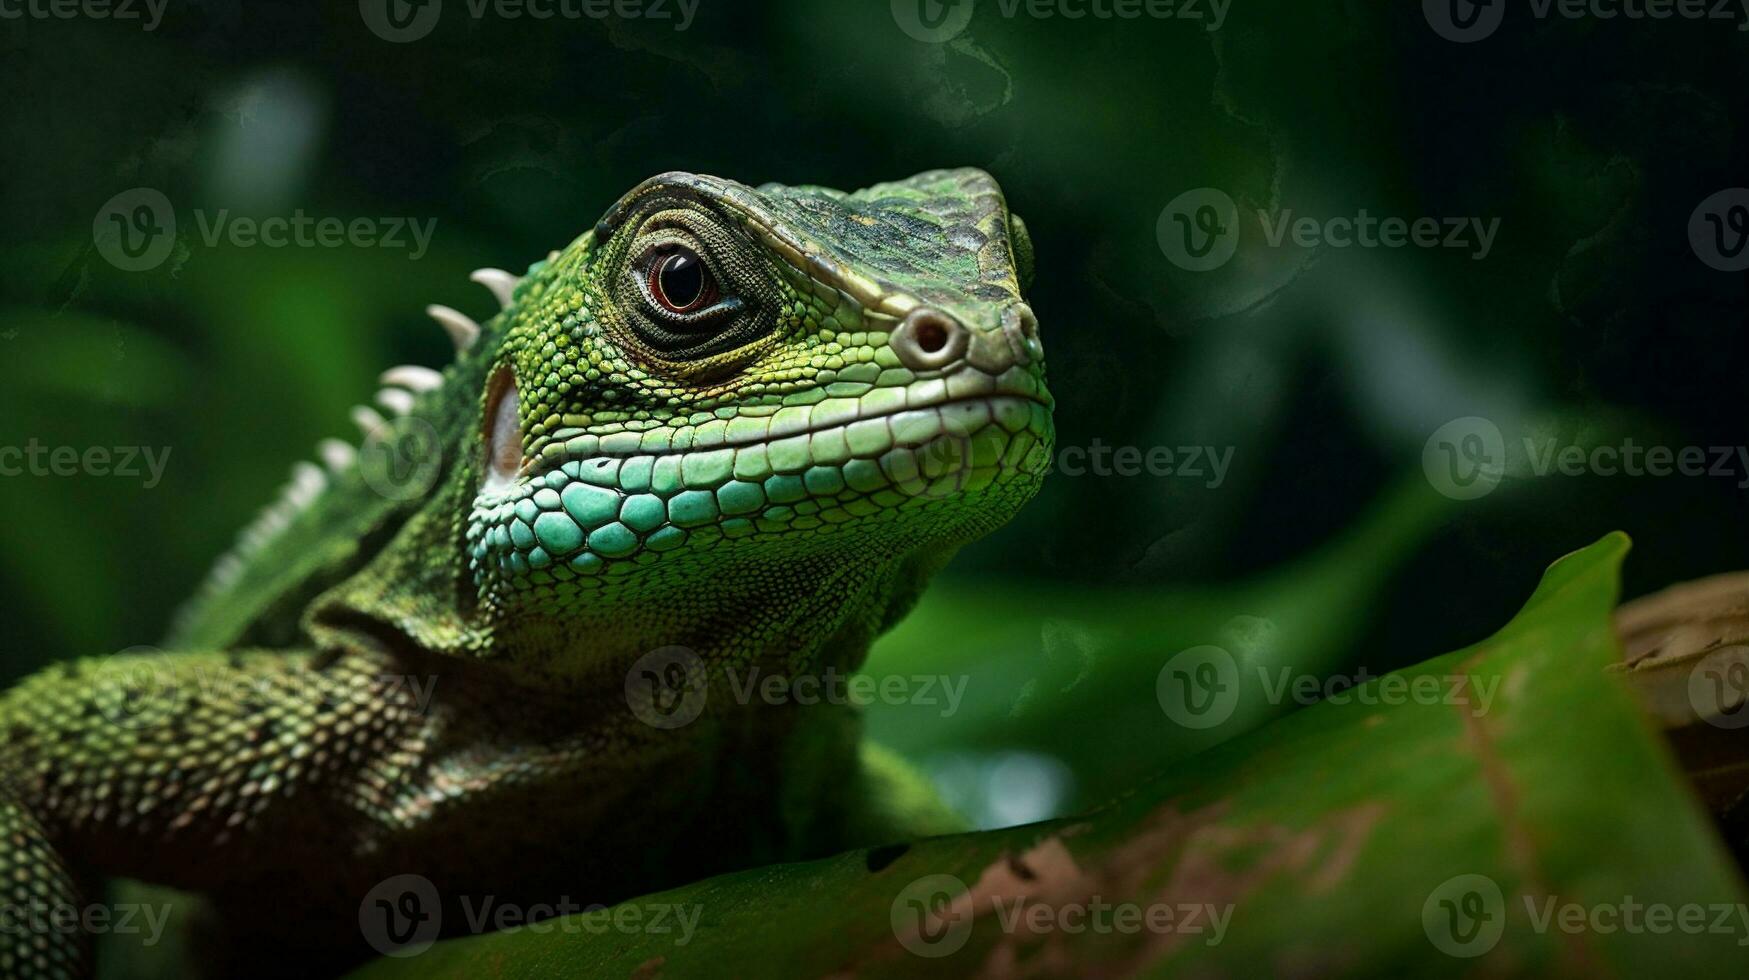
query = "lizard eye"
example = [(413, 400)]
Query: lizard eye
[(680, 282), (691, 290)]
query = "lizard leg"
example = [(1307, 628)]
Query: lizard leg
[(40, 903), (192, 770)]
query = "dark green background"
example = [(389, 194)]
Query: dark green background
[(1592, 141)]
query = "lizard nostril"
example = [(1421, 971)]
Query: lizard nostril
[(930, 335), (928, 339)]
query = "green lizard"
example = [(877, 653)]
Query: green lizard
[(727, 430)]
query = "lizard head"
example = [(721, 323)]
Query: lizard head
[(730, 415), (746, 421)]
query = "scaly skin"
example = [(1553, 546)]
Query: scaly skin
[(466, 651)]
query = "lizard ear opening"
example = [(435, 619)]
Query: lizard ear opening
[(503, 431)]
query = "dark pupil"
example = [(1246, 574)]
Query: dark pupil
[(682, 279)]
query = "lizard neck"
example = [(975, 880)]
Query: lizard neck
[(769, 776), (789, 612)]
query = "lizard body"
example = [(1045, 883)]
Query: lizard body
[(729, 431)]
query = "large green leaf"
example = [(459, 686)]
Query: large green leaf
[(1414, 836), (1070, 674)]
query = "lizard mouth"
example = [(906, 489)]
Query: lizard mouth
[(591, 501), (913, 418), (910, 416)]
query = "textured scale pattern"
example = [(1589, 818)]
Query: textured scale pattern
[(429, 676)]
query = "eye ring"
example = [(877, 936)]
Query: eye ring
[(680, 282)]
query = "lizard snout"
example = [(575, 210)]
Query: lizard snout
[(930, 339)]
